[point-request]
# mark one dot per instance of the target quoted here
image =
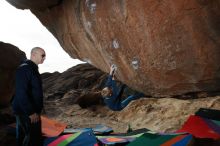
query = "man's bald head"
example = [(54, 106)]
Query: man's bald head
[(36, 49), (38, 55)]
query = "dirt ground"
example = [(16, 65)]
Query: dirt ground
[(160, 115)]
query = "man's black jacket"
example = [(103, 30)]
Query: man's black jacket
[(28, 98)]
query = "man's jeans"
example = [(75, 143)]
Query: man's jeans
[(125, 102), (27, 133)]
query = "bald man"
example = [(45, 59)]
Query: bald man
[(27, 103)]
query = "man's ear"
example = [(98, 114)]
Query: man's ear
[(33, 54)]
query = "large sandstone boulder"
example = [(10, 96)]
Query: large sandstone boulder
[(10, 57), (162, 48)]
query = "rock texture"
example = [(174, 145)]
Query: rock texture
[(10, 57), (162, 48), (78, 85)]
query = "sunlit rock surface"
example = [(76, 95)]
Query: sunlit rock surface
[(10, 57), (162, 48)]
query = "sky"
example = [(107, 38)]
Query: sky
[(22, 29)]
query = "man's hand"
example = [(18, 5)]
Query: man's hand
[(34, 118), (112, 70)]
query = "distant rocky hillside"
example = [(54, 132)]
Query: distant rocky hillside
[(75, 84)]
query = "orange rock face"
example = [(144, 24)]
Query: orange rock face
[(162, 48)]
